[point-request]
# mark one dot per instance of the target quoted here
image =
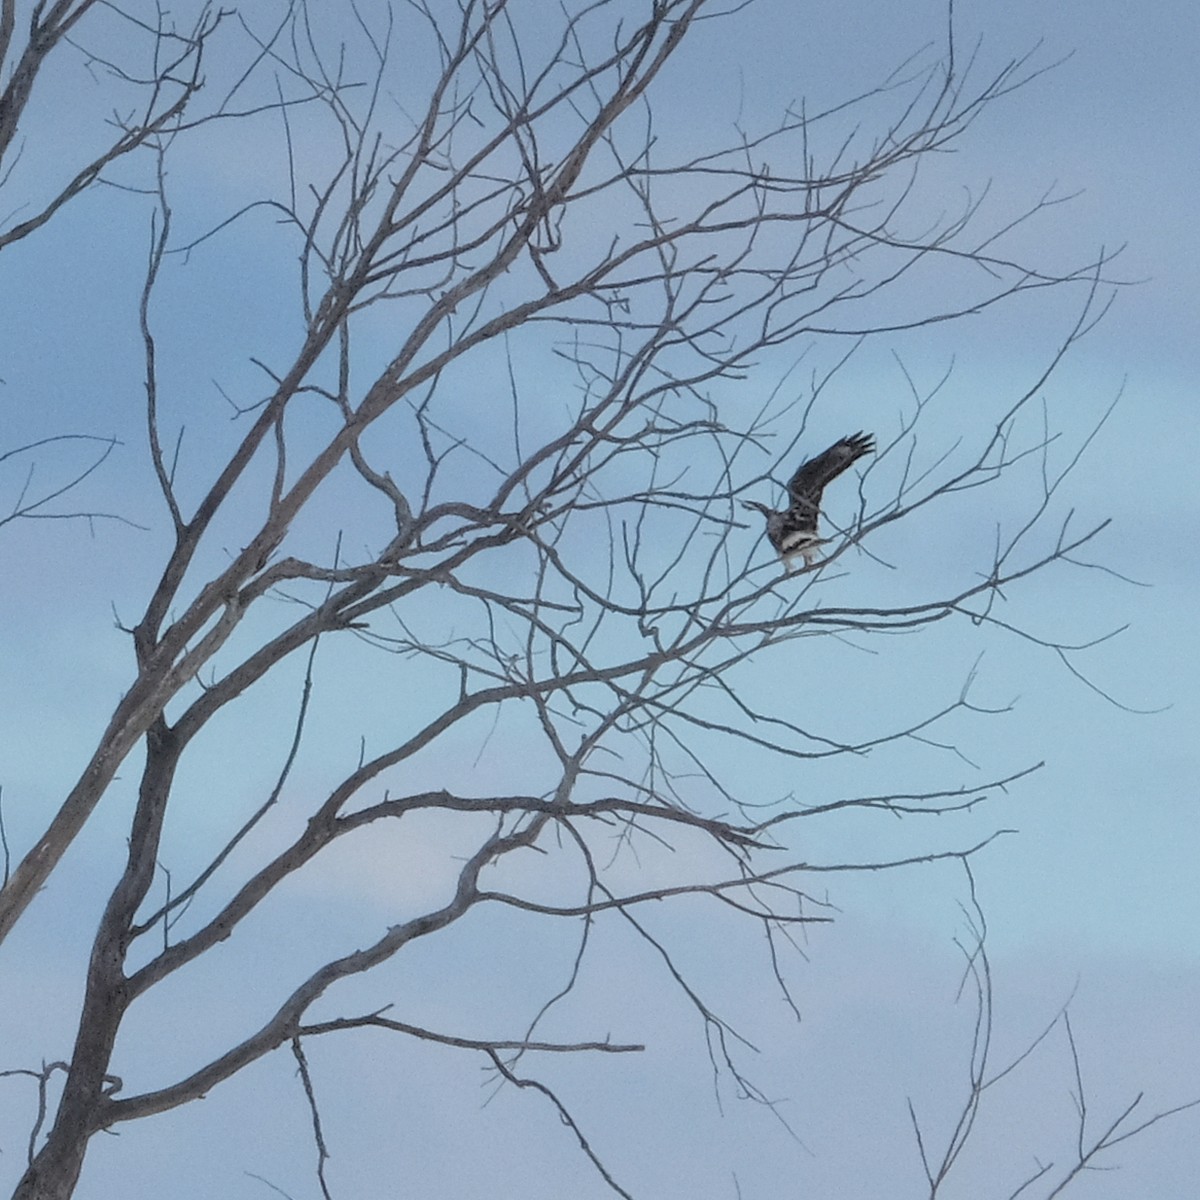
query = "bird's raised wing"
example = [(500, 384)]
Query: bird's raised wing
[(806, 486)]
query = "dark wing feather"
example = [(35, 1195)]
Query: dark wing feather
[(806, 486)]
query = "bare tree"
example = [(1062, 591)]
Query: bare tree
[(502, 454)]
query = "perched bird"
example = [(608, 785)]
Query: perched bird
[(793, 531)]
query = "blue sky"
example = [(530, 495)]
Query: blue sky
[(1095, 896)]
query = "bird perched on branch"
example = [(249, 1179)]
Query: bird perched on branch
[(793, 530)]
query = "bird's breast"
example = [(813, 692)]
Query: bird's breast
[(793, 539)]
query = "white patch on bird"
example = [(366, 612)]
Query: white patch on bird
[(795, 542)]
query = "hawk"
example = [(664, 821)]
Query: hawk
[(793, 530)]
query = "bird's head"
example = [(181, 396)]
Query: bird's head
[(755, 506)]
